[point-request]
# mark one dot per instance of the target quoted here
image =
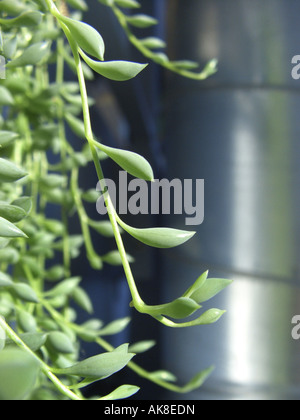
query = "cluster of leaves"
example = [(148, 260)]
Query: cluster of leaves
[(40, 357)]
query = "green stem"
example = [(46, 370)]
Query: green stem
[(44, 367)]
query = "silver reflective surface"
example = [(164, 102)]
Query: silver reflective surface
[(240, 132)]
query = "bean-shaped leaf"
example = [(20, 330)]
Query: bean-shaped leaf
[(119, 71), (9, 255), (31, 56), (60, 342), (198, 283), (153, 43), (141, 21), (6, 98), (115, 327), (86, 37), (78, 4), (28, 18), (18, 374), (9, 230), (131, 162), (101, 366), (209, 289), (13, 214), (34, 340), (26, 322), (5, 280), (65, 288), (128, 4), (76, 125), (12, 7), (209, 317), (9, 172), (24, 202), (82, 299), (142, 346), (198, 380), (6, 137), (158, 237), (114, 258), (124, 391), (24, 292), (178, 309)]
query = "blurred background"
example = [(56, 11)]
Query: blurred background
[(239, 131)]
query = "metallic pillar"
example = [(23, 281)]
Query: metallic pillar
[(240, 132)]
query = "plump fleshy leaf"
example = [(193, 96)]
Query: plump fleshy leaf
[(18, 374), (159, 237), (9, 230), (119, 71), (124, 391), (86, 37), (142, 346), (141, 21), (128, 4), (6, 137), (6, 98), (27, 18), (131, 162), (178, 309), (24, 292), (31, 56), (9, 172), (99, 367), (12, 213), (209, 289), (60, 342)]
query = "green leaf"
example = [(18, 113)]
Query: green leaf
[(76, 125), (114, 258), (128, 4), (18, 374), (6, 137), (78, 4), (5, 280), (101, 366), (198, 283), (142, 346), (124, 391), (9, 255), (9, 230), (6, 98), (119, 71), (24, 292), (12, 7), (64, 288), (9, 172), (158, 237), (198, 380), (131, 162), (153, 43), (82, 299), (185, 64), (209, 317), (178, 309), (115, 327), (86, 37), (24, 202), (12, 213), (60, 342), (31, 56), (163, 375), (209, 289), (141, 21), (26, 321), (28, 18), (104, 228), (32, 340)]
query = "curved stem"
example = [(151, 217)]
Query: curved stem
[(44, 367)]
